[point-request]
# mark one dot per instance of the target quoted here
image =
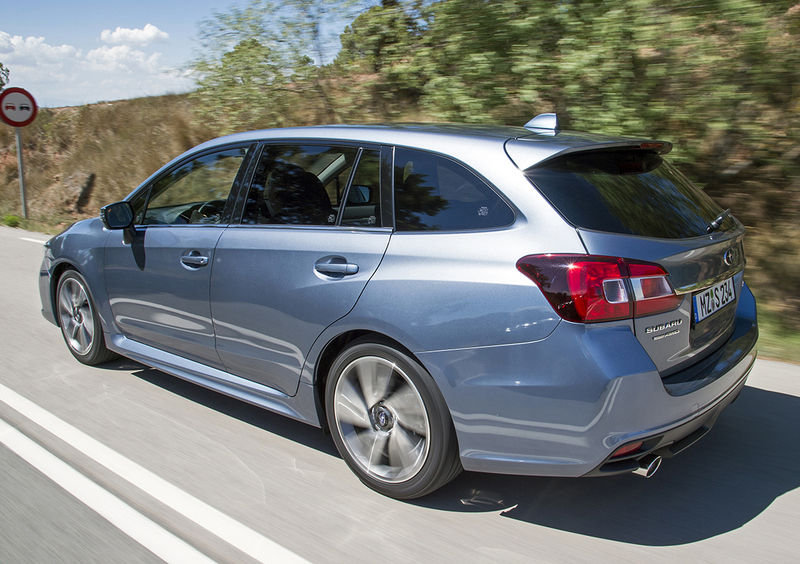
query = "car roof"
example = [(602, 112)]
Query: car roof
[(406, 134), (525, 146)]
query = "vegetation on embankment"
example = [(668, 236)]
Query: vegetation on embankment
[(78, 159)]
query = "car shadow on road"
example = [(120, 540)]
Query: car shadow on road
[(252, 415), (745, 463)]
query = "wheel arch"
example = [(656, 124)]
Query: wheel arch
[(55, 277), (333, 348)]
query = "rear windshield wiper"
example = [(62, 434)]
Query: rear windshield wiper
[(717, 222)]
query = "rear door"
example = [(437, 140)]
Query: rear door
[(630, 203), (311, 237)]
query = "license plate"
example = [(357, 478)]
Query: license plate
[(713, 299)]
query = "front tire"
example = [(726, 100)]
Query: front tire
[(79, 321), (390, 422)]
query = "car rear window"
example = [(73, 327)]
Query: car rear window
[(630, 192)]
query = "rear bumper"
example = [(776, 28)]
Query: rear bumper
[(735, 358), (671, 441), (562, 406)]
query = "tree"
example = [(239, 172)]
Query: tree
[(376, 60), (268, 56), (3, 76), (719, 79), (244, 89)]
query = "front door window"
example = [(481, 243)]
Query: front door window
[(193, 193)]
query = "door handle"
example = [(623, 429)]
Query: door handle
[(341, 269), (194, 259)]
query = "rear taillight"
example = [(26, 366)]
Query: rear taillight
[(587, 289)]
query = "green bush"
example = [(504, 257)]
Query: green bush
[(11, 220)]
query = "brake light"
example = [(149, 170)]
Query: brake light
[(598, 290), (587, 288)]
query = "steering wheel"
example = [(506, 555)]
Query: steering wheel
[(201, 212), (211, 207)]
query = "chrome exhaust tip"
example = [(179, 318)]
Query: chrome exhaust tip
[(648, 465)]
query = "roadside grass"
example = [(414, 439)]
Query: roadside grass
[(775, 342), (11, 220), (78, 159), (52, 225)]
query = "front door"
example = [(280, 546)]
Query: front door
[(158, 285)]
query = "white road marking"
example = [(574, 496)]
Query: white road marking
[(32, 240), (226, 528), (157, 540)]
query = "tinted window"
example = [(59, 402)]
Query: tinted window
[(299, 184), (630, 192), (436, 193), (195, 192), (362, 206)]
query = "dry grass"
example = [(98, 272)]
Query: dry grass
[(79, 159)]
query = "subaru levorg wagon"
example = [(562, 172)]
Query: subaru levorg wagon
[(519, 300)]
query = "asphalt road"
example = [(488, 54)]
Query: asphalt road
[(122, 463)]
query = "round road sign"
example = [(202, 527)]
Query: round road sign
[(17, 107)]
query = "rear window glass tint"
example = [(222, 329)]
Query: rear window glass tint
[(433, 193), (628, 192)]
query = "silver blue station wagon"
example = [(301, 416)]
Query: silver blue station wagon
[(517, 300)]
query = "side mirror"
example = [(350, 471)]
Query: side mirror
[(117, 216)]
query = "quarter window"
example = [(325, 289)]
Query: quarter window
[(434, 193)]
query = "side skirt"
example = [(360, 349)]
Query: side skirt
[(301, 406)]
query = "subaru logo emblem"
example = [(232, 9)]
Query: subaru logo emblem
[(730, 256)]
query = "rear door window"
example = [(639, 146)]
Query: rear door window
[(628, 192), (362, 206), (299, 184), (434, 193)]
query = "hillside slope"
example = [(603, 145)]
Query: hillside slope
[(78, 159)]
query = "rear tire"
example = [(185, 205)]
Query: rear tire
[(390, 422), (79, 321)]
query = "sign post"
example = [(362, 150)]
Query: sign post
[(18, 109), (21, 172)]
